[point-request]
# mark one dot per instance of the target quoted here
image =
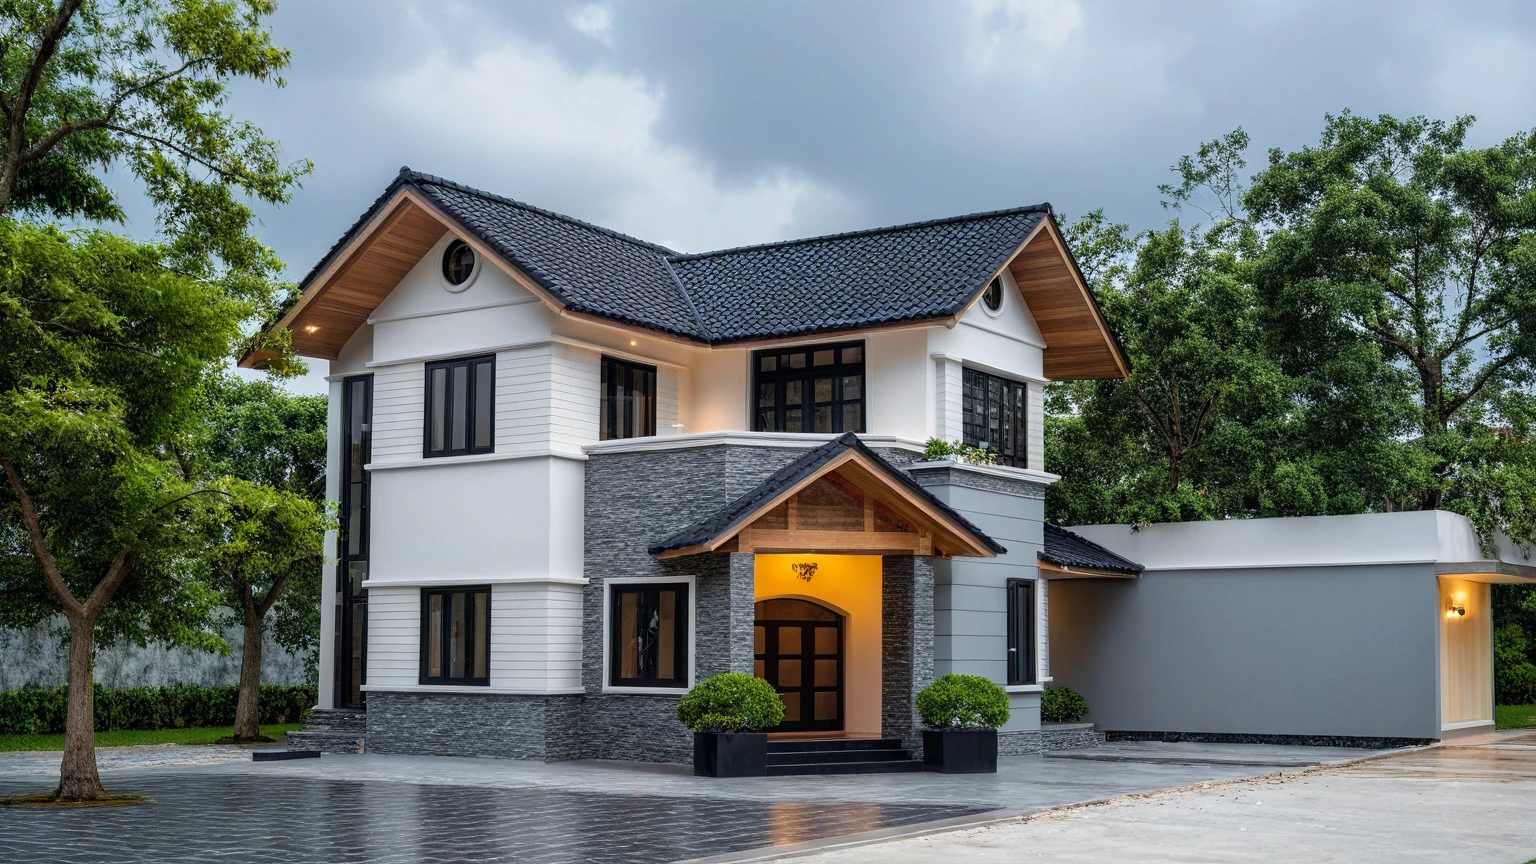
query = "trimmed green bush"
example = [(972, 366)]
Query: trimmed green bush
[(179, 706), (1062, 705), (963, 702), (731, 702)]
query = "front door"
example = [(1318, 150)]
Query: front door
[(798, 648)]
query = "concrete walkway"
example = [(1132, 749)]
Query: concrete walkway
[(1469, 801)]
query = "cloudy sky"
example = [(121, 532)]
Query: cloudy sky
[(707, 124)]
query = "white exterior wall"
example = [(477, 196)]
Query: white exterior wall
[(330, 590)]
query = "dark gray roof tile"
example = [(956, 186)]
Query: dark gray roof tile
[(1066, 549)]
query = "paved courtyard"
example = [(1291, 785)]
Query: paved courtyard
[(212, 804)]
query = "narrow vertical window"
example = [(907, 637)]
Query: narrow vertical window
[(455, 635), (628, 400), (994, 416), (461, 409), (1021, 631)]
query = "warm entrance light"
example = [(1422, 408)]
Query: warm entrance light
[(310, 328), (804, 569), (1454, 609)]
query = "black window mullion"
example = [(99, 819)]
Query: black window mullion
[(784, 373), (441, 390)]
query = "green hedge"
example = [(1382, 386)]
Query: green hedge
[(179, 706), (963, 702), (731, 702), (1062, 705)]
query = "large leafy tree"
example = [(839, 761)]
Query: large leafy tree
[(104, 342), (264, 449)]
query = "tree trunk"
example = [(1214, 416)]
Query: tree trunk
[(248, 705), (78, 780)]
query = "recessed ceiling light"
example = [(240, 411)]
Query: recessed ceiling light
[(310, 328)]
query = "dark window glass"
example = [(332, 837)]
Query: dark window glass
[(456, 636), (994, 416), (352, 548), (1021, 631), (993, 296), (648, 635), (628, 407), (819, 388), (461, 409), (458, 262)]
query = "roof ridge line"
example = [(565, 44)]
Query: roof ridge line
[(1043, 207), (409, 175), (687, 298)]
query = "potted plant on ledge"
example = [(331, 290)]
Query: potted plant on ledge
[(962, 713), (728, 714)]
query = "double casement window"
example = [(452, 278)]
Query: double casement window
[(456, 636), (995, 416), (1021, 631), (816, 388), (648, 634), (461, 406), (628, 408)]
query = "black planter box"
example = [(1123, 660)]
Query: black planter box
[(960, 751), (731, 754)]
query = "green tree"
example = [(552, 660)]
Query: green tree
[(104, 342)]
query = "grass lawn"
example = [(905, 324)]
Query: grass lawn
[(126, 738), (1514, 716)]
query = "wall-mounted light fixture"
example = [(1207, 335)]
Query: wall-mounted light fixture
[(1454, 609), (804, 569), (310, 328)]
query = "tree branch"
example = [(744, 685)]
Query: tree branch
[(47, 45), (116, 573), (276, 591), (45, 558), (1479, 382)]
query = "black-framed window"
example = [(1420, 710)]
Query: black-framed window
[(1021, 631), (995, 416), (456, 635), (648, 635), (351, 637), (461, 406), (814, 388), (628, 407)]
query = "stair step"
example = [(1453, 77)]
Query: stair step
[(829, 756), (802, 745), (901, 767)]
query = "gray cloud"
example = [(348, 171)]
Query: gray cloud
[(702, 124)]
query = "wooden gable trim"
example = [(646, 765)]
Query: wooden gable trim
[(1056, 571), (1079, 344), (936, 534)]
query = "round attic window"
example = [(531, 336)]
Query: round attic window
[(458, 265), (992, 298)]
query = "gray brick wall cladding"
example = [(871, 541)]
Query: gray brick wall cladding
[(632, 501), (474, 724), (907, 643), (1047, 740), (943, 475)]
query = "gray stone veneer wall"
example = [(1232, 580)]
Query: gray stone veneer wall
[(632, 501), (906, 620), (475, 724), (1061, 736)]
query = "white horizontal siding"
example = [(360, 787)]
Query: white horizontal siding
[(394, 636), (536, 636), (1035, 432), (1042, 593), (522, 400), (668, 413), (947, 378), (575, 378), (398, 393)]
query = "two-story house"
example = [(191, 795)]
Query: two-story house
[(579, 472)]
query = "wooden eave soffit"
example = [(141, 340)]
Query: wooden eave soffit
[(1079, 343), (1056, 571), (849, 507)]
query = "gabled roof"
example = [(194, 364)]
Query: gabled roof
[(903, 274), (728, 520), (1070, 551)]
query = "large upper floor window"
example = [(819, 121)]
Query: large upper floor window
[(461, 406), (456, 636), (628, 400), (648, 634), (995, 414), (1021, 631), (815, 388)]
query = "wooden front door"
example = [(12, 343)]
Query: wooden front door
[(798, 648)]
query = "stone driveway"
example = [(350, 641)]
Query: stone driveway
[(206, 806)]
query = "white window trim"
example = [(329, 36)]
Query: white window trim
[(1002, 301), (693, 618), (437, 261)]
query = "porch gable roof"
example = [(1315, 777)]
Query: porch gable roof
[(1067, 552), (710, 533)]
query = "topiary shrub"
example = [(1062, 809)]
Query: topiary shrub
[(1062, 705), (731, 702), (963, 702)]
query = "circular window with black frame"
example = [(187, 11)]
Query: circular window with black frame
[(992, 298), (458, 265)]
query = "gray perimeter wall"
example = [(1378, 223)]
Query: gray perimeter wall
[(1317, 651), (37, 658), (970, 620)]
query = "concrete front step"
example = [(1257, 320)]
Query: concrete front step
[(839, 756), (334, 720)]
